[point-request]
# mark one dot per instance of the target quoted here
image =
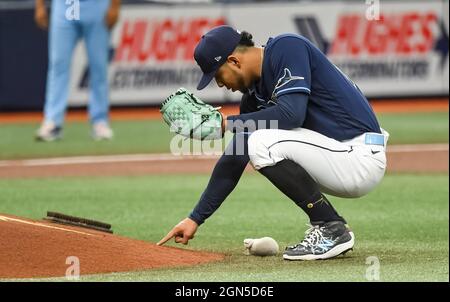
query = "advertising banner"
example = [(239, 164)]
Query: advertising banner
[(387, 48)]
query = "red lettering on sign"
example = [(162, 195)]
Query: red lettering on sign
[(162, 40), (403, 34), (427, 23), (131, 39), (346, 35)]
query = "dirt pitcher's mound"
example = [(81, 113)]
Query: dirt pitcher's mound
[(41, 249)]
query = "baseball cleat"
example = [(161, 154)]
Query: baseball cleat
[(102, 131), (322, 242), (48, 132)]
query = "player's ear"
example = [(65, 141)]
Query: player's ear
[(234, 61)]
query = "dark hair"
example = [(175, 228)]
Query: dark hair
[(246, 40)]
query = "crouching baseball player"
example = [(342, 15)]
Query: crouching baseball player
[(327, 138)]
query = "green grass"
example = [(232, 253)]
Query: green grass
[(403, 222), (16, 140), (415, 128)]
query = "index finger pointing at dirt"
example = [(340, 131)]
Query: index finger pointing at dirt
[(169, 236)]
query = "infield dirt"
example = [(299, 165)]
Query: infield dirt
[(31, 249)]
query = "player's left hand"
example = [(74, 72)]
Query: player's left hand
[(112, 15), (190, 117)]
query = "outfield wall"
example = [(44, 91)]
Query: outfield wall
[(397, 49)]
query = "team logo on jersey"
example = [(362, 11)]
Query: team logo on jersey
[(286, 78)]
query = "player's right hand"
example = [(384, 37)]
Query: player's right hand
[(183, 232), (112, 15), (41, 17)]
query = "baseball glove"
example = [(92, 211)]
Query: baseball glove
[(188, 116)]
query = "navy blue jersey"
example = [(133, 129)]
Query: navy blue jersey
[(335, 108), (299, 87)]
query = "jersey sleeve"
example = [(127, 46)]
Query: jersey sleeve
[(291, 66), (289, 112), (224, 178)]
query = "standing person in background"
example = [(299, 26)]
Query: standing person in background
[(91, 20)]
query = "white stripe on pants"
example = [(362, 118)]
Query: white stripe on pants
[(345, 169)]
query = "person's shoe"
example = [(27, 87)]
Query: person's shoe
[(322, 242), (48, 132), (102, 131)]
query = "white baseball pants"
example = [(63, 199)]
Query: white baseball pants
[(345, 169)]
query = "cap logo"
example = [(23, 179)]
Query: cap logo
[(218, 58)]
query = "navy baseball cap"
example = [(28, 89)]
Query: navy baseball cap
[(213, 50)]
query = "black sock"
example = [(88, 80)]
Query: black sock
[(291, 179)]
